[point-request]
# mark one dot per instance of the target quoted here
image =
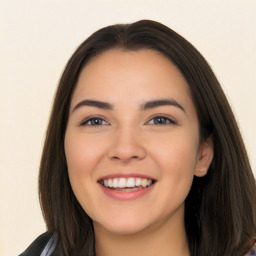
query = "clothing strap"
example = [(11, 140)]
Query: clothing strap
[(50, 246)]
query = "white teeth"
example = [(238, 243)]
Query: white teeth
[(110, 183), (130, 182), (105, 183), (144, 183), (129, 189), (115, 182), (122, 183), (138, 181), (149, 183)]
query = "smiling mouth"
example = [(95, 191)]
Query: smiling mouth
[(127, 184)]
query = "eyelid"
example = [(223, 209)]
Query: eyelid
[(170, 119), (90, 118)]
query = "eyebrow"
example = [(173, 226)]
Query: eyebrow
[(161, 102), (144, 106), (93, 103)]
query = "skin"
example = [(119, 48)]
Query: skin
[(129, 140)]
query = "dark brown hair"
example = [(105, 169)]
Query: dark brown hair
[(220, 214)]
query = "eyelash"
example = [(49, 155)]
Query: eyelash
[(166, 120), (91, 121)]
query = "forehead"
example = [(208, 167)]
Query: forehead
[(130, 63), (125, 75)]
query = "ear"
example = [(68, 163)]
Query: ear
[(205, 157)]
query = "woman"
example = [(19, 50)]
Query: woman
[(143, 155)]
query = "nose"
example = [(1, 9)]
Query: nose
[(126, 145)]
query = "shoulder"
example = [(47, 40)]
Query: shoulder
[(43, 245)]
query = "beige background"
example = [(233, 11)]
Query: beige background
[(37, 38)]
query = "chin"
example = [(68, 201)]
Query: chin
[(122, 228)]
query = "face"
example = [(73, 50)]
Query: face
[(132, 141)]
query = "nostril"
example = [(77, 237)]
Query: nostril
[(126, 153)]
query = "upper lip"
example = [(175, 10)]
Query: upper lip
[(125, 175)]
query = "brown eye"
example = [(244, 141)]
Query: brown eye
[(161, 120), (95, 121)]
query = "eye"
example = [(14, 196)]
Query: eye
[(161, 120), (95, 121)]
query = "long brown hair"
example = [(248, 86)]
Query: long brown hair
[(220, 210)]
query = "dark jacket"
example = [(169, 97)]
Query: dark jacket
[(44, 245), (47, 245)]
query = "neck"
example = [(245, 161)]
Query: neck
[(167, 239)]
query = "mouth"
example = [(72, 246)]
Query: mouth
[(128, 184)]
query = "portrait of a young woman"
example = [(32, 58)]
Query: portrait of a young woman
[(143, 155)]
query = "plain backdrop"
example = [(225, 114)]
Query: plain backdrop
[(36, 40)]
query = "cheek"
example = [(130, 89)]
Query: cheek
[(82, 158), (178, 171), (178, 151), (177, 158), (81, 155)]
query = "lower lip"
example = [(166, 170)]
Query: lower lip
[(125, 196)]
